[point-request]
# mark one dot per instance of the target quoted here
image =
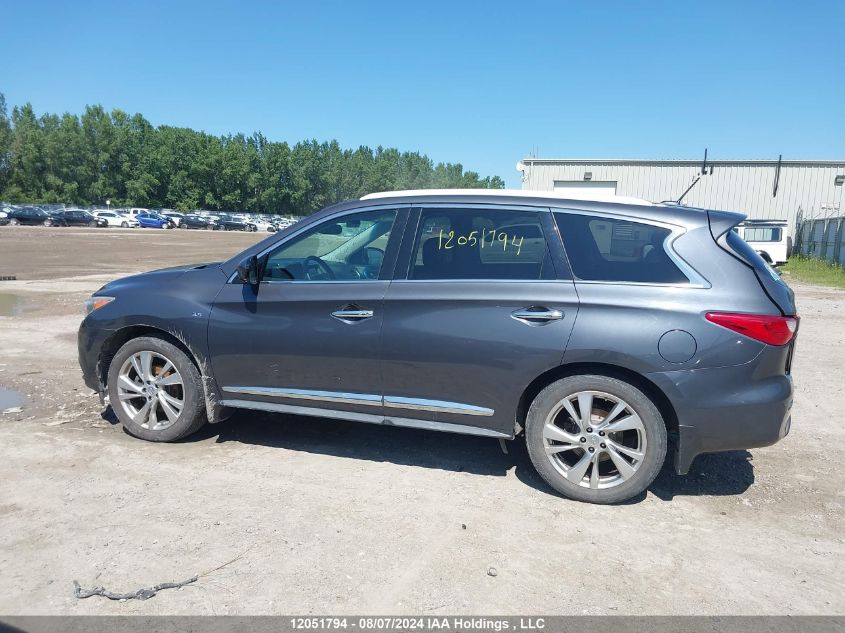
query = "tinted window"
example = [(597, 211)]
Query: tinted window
[(608, 249), (480, 244), (348, 248)]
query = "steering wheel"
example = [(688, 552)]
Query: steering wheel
[(313, 259)]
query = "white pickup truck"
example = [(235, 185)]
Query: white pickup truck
[(770, 238)]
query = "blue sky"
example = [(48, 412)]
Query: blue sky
[(481, 83)]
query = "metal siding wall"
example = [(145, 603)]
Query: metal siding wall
[(732, 186)]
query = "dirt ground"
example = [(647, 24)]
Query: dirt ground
[(284, 515)]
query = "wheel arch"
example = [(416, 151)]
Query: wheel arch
[(214, 411), (117, 340), (661, 401)]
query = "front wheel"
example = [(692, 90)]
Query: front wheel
[(156, 390), (124, 225), (48, 223), (595, 438)]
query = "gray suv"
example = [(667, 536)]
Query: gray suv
[(599, 331)]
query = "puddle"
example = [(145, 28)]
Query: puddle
[(10, 305), (10, 399)]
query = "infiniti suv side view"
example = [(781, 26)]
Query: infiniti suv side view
[(600, 332)]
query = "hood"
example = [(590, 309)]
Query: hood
[(158, 276)]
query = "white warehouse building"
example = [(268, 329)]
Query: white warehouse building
[(762, 189)]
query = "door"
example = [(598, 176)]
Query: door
[(310, 337), (482, 309)]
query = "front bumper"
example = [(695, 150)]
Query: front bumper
[(89, 343)]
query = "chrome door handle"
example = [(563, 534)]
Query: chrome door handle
[(352, 316), (536, 315)]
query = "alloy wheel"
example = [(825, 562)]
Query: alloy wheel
[(594, 439), (151, 390)]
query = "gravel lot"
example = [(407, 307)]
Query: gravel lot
[(319, 516)]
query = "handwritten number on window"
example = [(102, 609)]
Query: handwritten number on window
[(448, 241)]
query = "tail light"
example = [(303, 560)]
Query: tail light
[(772, 330)]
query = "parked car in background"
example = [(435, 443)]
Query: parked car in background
[(770, 238), (262, 224), (235, 223), (30, 216), (5, 210), (389, 310), (53, 207), (77, 217), (192, 221), (150, 220), (113, 218), (174, 217)]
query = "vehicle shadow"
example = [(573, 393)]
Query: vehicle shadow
[(356, 440), (717, 474), (714, 474)]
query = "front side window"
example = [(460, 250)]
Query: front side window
[(348, 248), (480, 244), (610, 249)]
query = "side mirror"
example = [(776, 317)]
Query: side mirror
[(251, 270), (248, 270)]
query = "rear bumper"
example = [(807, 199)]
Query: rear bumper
[(727, 408)]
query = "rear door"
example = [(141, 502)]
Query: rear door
[(482, 304)]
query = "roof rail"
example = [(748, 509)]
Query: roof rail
[(505, 193)]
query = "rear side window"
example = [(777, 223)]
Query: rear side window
[(480, 244), (609, 249)]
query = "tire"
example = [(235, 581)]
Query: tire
[(561, 469), (191, 416), (14, 222), (124, 225), (92, 224), (48, 223)]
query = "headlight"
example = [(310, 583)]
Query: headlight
[(95, 303)]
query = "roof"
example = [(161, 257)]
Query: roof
[(506, 193), (680, 163)]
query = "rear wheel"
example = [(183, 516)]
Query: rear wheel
[(156, 390), (595, 439)]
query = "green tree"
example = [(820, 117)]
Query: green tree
[(113, 155)]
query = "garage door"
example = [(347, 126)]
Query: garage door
[(584, 188)]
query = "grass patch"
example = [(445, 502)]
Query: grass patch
[(814, 271)]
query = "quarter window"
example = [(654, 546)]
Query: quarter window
[(608, 249), (480, 244), (345, 249)]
